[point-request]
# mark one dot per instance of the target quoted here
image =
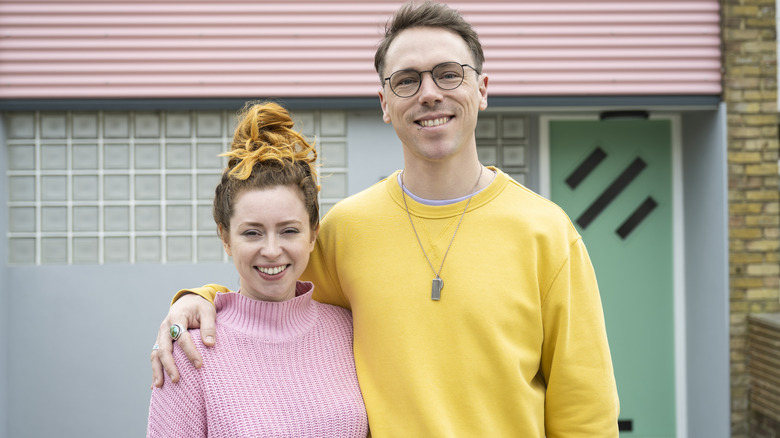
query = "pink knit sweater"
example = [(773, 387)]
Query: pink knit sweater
[(278, 370)]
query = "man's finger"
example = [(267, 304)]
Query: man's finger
[(165, 351), (188, 312), (208, 331), (166, 357), (192, 353), (164, 343), (157, 370)]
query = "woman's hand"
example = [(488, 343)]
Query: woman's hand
[(189, 311)]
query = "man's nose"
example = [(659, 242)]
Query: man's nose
[(429, 90)]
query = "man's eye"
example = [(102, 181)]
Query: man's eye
[(448, 76), (402, 81)]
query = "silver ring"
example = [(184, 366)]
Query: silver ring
[(156, 347), (176, 331)]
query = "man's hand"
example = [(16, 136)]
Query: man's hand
[(189, 311)]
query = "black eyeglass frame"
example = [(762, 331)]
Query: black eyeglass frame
[(420, 73)]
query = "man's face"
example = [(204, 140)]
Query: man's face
[(434, 124)]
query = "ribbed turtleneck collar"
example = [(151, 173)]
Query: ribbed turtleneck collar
[(268, 320)]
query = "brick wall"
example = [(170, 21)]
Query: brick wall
[(762, 426), (764, 369), (750, 92)]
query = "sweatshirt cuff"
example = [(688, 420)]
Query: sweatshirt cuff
[(207, 292)]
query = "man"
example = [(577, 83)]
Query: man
[(476, 309)]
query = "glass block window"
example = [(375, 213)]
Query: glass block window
[(502, 142), (329, 128), (132, 187)]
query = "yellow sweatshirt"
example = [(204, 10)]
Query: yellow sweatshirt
[(516, 347)]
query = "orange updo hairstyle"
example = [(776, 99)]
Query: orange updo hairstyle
[(266, 152)]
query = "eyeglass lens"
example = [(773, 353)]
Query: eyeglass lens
[(447, 76)]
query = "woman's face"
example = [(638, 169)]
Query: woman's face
[(270, 240)]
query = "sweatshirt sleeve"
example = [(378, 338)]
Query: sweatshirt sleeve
[(208, 292), (581, 398), (322, 269), (178, 410)]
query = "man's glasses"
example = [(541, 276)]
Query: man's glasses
[(447, 76)]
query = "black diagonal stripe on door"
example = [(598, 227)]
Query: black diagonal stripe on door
[(636, 217), (586, 167), (611, 192)]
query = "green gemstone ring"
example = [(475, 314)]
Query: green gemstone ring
[(176, 331)]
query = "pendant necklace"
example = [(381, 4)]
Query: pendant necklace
[(437, 284)]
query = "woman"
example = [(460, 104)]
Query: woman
[(284, 363)]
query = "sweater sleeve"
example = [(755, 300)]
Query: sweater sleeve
[(581, 398), (208, 292), (178, 410)]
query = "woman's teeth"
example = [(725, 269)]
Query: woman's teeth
[(272, 271)]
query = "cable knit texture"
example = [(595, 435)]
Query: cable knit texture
[(278, 370)]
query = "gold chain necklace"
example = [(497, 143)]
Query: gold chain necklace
[(437, 284)]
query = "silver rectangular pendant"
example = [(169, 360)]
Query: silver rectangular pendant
[(436, 286)]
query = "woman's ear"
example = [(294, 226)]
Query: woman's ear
[(314, 234), (223, 235)]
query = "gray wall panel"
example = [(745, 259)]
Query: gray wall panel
[(706, 265), (81, 338), (374, 149), (4, 290)]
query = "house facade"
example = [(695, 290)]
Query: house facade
[(652, 123)]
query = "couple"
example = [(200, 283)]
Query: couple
[(476, 309)]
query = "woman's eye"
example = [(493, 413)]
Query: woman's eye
[(290, 231), (251, 233)]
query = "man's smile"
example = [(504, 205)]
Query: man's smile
[(433, 122)]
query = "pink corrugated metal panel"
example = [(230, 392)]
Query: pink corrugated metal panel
[(297, 48)]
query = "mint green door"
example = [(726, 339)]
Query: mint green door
[(614, 179)]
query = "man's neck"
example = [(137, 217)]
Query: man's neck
[(438, 181)]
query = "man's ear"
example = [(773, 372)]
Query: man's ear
[(383, 103), (483, 83)]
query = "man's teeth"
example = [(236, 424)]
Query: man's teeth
[(434, 122), (272, 271)]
